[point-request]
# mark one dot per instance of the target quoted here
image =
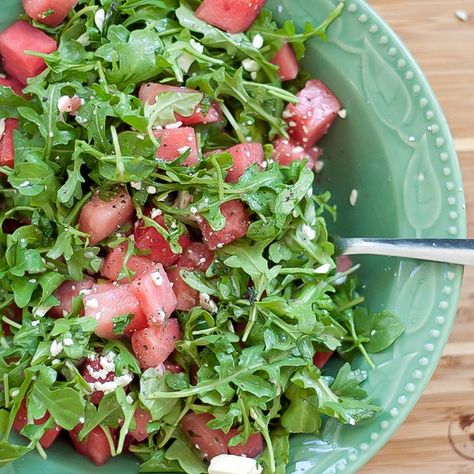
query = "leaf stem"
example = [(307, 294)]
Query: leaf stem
[(106, 431)]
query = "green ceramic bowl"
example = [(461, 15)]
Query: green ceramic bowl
[(394, 147)]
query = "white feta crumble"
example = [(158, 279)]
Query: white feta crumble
[(174, 125), (155, 213), (136, 185), (342, 113), (99, 19), (82, 419), (64, 103), (461, 15), (151, 189), (319, 166), (157, 278), (56, 348), (183, 200), (292, 123), (121, 381), (92, 303), (257, 41), (2, 127), (206, 302), (308, 232), (323, 268), (68, 341), (193, 210), (85, 292), (14, 393), (253, 75), (230, 464), (183, 149), (250, 65), (353, 197)]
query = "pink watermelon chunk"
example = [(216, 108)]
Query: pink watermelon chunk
[(106, 305), (7, 150), (233, 16), (65, 293), (187, 297), (309, 120), (17, 39), (236, 226), (149, 92), (244, 155), (155, 295), (176, 141), (12, 83), (48, 12), (285, 152), (286, 61)]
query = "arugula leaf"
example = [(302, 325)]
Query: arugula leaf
[(120, 323)]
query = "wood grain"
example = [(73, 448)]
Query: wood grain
[(444, 48)]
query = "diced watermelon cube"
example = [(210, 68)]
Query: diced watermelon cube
[(254, 446), (108, 303), (244, 155), (100, 218), (233, 16), (148, 238), (48, 12), (287, 63), (7, 150), (153, 345), (151, 90), (172, 367), (320, 359), (12, 83), (95, 446), (21, 420), (176, 141), (210, 442), (65, 293), (186, 297), (69, 104), (155, 295), (309, 120), (14, 41), (142, 419), (197, 256), (285, 152), (113, 264), (236, 226)]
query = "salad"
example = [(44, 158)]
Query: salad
[(167, 284)]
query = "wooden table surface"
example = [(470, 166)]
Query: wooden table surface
[(444, 47)]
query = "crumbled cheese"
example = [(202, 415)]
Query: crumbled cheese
[(253, 75), (174, 125), (257, 41), (308, 232), (250, 65), (2, 127), (319, 166), (92, 303), (292, 123), (342, 113), (136, 185), (82, 419), (85, 292), (157, 278), (99, 19), (193, 210), (323, 268), (68, 341), (183, 149), (64, 103), (183, 200), (461, 15), (155, 213), (230, 464), (121, 381), (14, 393), (151, 189), (56, 348), (353, 197), (206, 302)]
